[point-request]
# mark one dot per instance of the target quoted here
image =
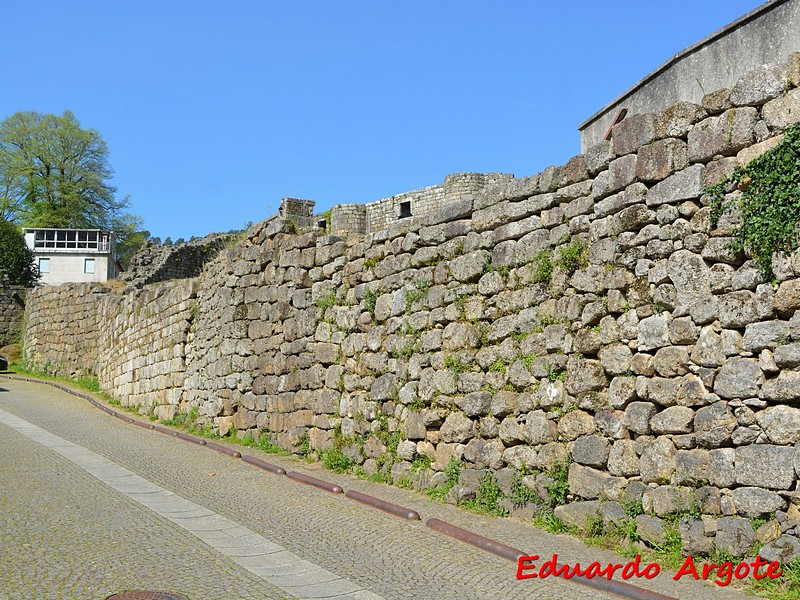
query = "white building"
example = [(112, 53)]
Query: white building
[(64, 255)]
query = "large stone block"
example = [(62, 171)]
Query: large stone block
[(726, 134), (457, 427), (739, 378), (737, 309), (598, 156), (759, 85), (622, 459), (576, 424), (692, 467), (675, 419), (683, 185), (621, 173), (714, 425), (591, 451), (755, 503), (765, 466), (784, 388), (590, 483), (787, 298), (654, 332), (657, 463), (637, 417), (633, 132), (691, 277), (470, 267), (735, 535), (584, 375), (538, 429), (578, 514), (660, 159), (765, 334), (678, 119), (784, 111)]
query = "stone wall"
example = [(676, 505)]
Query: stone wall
[(154, 262), (587, 313), (12, 311), (133, 341)]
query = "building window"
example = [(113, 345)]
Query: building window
[(405, 209), (44, 265), (88, 265)]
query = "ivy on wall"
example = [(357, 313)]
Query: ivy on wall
[(769, 202)]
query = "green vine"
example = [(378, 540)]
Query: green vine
[(769, 203)]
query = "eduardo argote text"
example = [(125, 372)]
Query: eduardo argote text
[(722, 574)]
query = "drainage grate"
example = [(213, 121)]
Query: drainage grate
[(147, 595)]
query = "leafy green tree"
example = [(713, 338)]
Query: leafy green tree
[(16, 259), (53, 173)]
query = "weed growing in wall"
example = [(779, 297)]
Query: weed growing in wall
[(769, 202), (327, 302), (487, 497), (452, 471), (542, 268), (573, 256), (370, 300), (454, 363), (418, 292)]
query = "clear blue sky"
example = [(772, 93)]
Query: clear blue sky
[(213, 111)]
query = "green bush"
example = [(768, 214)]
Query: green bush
[(573, 256), (542, 268)]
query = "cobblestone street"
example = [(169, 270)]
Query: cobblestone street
[(91, 506)]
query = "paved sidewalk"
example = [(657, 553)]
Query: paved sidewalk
[(167, 520)]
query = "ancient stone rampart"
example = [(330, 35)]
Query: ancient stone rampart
[(133, 341), (587, 314), (12, 312), (155, 262)]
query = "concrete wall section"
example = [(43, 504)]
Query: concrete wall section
[(763, 36)]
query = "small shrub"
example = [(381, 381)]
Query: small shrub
[(266, 444), (419, 291), (558, 488), (573, 257), (327, 301), (521, 494), (304, 448), (333, 459), (546, 519), (454, 363), (556, 374), (421, 461), (487, 498), (499, 366), (542, 268), (370, 300)]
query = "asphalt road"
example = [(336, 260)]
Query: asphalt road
[(91, 506)]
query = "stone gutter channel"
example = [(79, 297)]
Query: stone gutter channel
[(620, 588)]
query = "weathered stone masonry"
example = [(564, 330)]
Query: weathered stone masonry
[(661, 364), (12, 311)]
